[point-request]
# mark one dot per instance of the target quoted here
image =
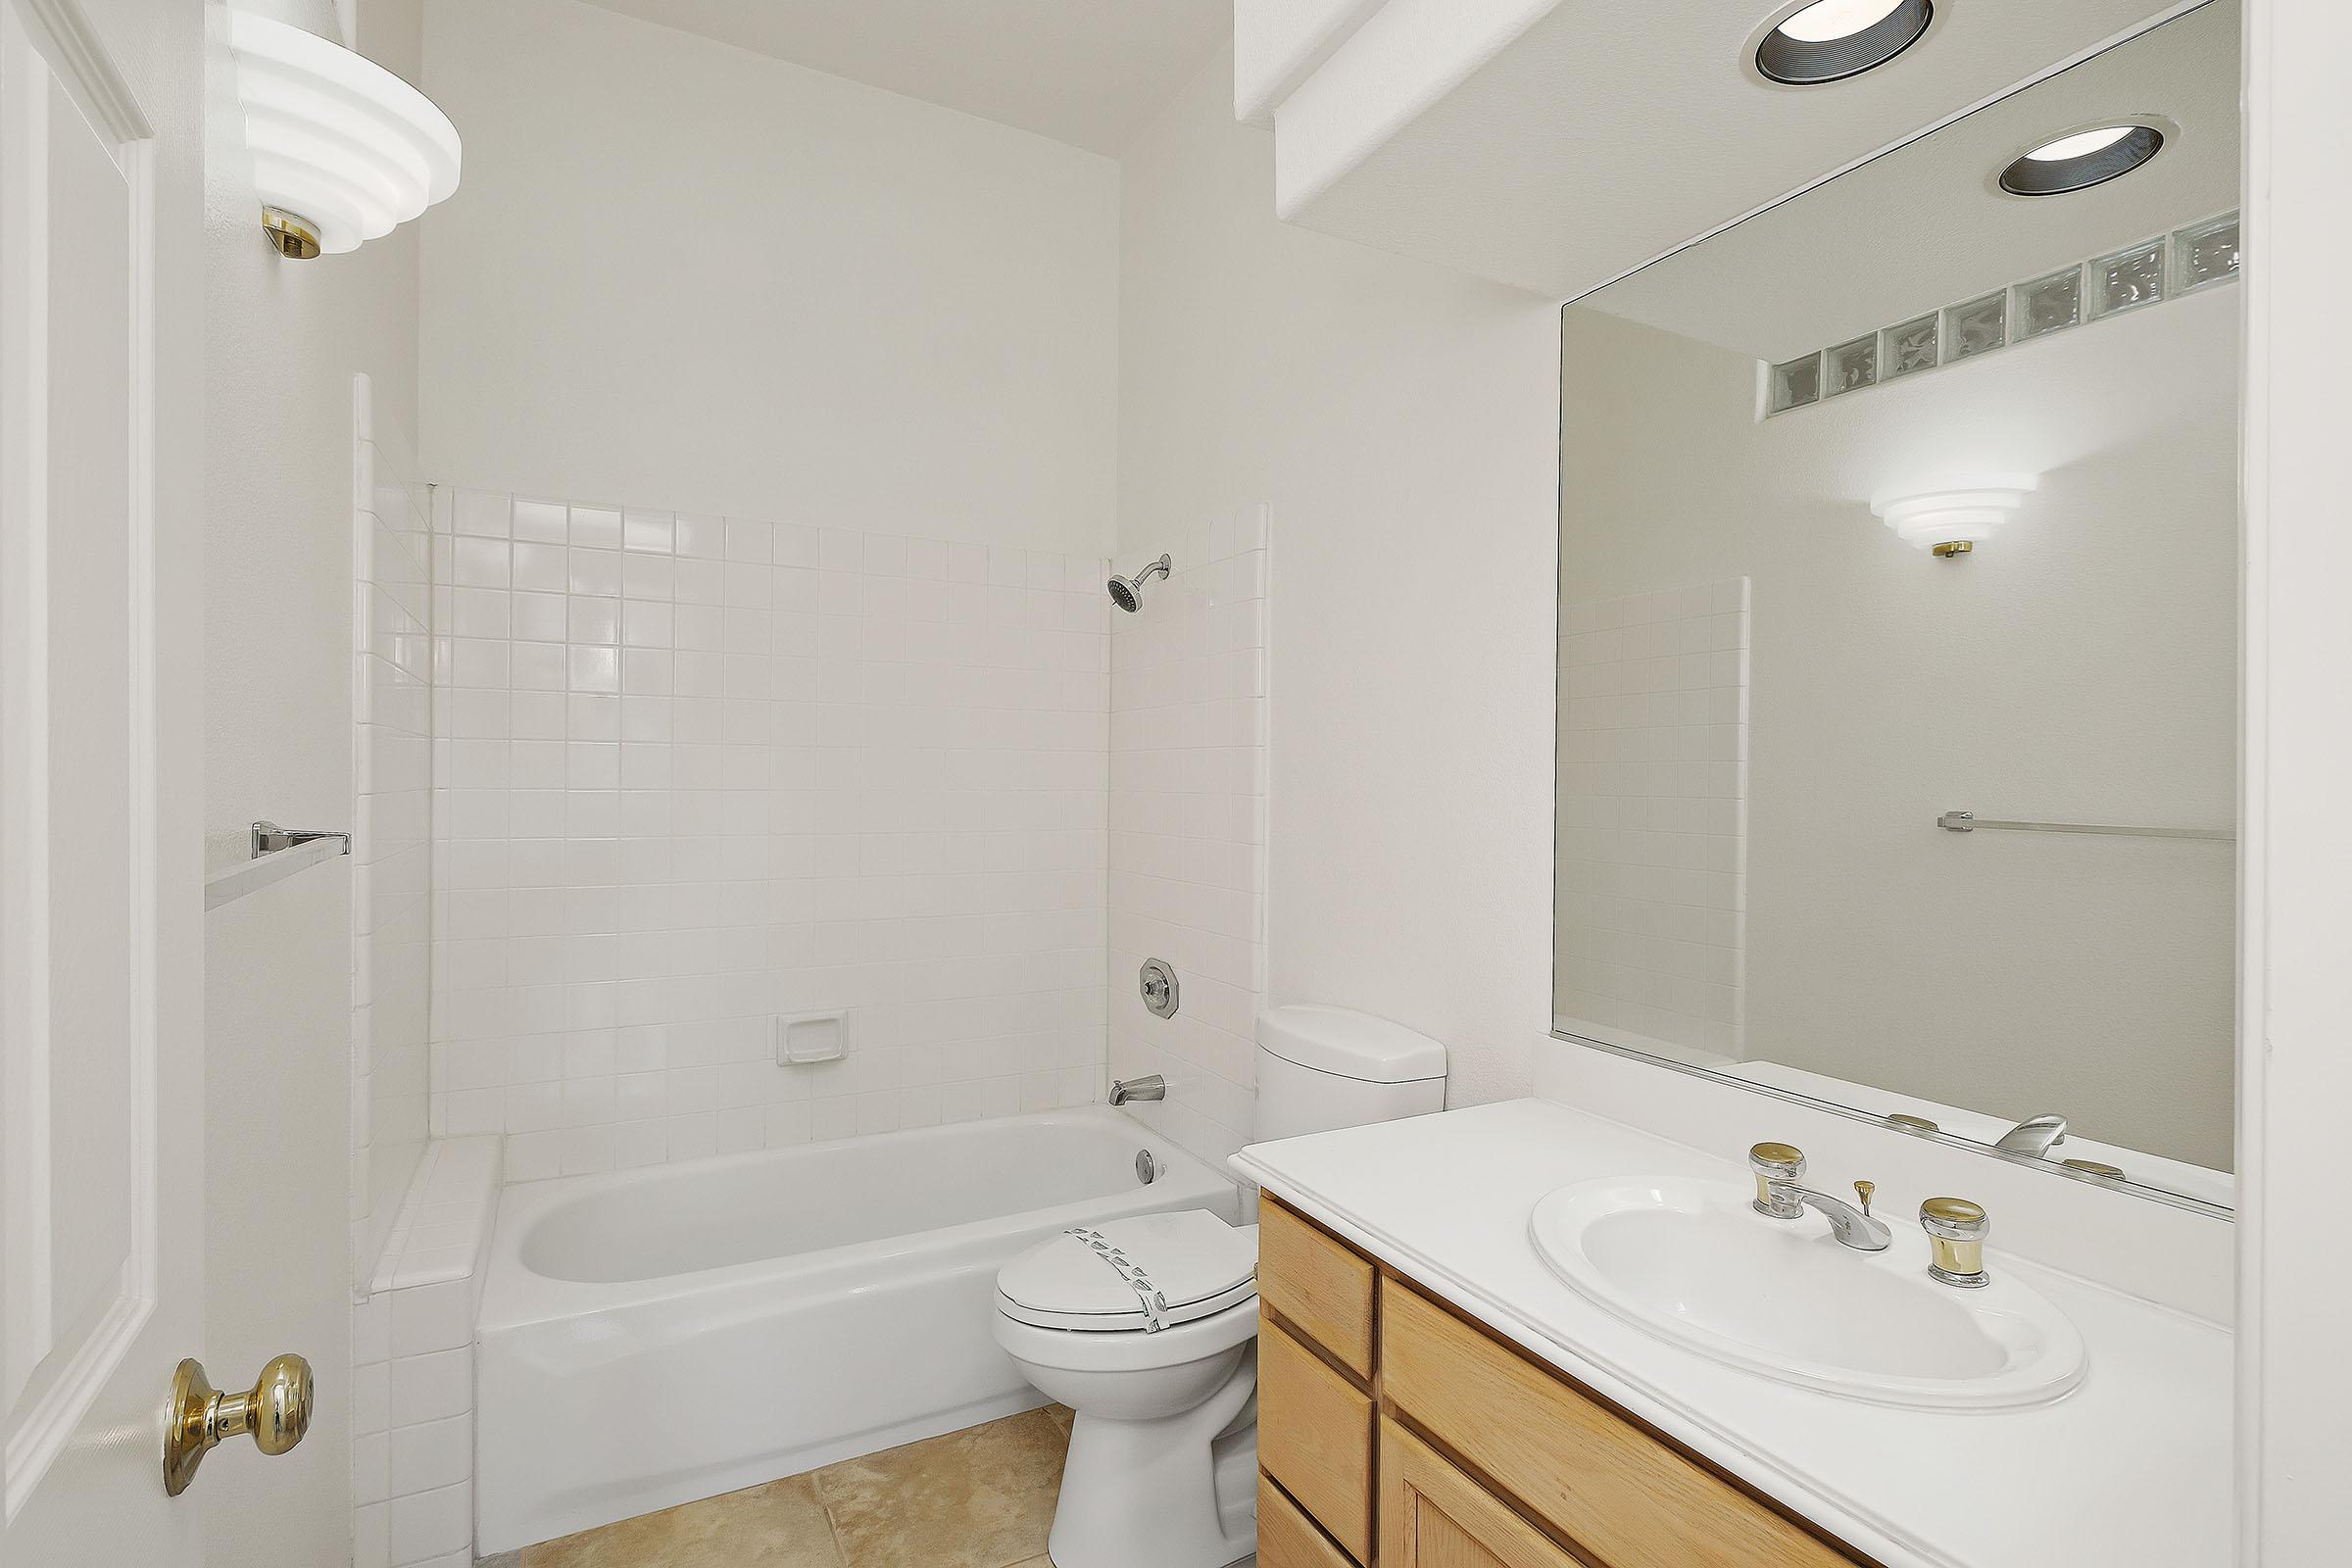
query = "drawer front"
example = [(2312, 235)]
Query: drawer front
[(1315, 1435), (1319, 1285), (1434, 1516), (1287, 1537), (1611, 1487)]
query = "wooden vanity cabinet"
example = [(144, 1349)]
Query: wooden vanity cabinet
[(1392, 1430)]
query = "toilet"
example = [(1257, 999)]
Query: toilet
[(1146, 1327)]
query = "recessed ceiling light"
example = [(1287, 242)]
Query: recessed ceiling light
[(2080, 160), (1833, 40)]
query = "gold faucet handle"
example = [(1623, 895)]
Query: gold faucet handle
[(1956, 1230), (1775, 1162), (1865, 1190)]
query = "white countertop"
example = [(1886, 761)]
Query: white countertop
[(2133, 1468)]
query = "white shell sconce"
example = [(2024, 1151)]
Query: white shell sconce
[(343, 150), (1953, 521)]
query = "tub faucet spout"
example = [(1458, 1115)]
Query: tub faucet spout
[(1123, 1089)]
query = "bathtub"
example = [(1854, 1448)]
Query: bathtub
[(655, 1336)]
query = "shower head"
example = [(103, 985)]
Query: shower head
[(1128, 592)]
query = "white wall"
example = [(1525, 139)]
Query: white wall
[(680, 275), (1402, 422), (1188, 833), (2077, 667), (283, 341), (694, 772)]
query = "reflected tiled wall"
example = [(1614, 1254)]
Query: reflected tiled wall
[(692, 772), (392, 816), (1651, 926), (391, 937), (1187, 841)]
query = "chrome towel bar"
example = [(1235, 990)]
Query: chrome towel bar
[(278, 853), (1970, 821)]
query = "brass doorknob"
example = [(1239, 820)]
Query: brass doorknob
[(276, 1413)]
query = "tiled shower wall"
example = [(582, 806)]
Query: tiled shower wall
[(392, 834), (1187, 840), (692, 772), (1654, 819)]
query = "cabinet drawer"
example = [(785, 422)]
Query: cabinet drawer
[(1287, 1537), (1434, 1516), (1315, 1435), (1618, 1492), (1322, 1287)]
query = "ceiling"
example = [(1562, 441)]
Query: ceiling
[(1927, 226), (1607, 134), (1089, 72)]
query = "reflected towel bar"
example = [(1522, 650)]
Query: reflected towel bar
[(278, 853), (1969, 822)]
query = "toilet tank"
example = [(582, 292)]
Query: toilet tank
[(1322, 1067)]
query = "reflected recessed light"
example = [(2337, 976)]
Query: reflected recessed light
[(1830, 41), (2080, 160)]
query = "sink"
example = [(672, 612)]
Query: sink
[(1691, 1263)]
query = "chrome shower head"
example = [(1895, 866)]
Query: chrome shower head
[(1128, 592)]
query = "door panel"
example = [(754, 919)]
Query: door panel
[(97, 990)]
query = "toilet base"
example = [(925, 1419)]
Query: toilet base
[(1146, 1494)]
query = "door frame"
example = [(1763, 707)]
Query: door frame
[(2295, 1375)]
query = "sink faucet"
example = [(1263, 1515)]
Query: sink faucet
[(1778, 1196), (2034, 1137)]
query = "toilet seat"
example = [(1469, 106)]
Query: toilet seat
[(1145, 1273)]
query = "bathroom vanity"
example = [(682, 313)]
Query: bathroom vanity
[(1432, 1393)]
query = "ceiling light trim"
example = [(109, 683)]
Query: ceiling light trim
[(1781, 60), (2032, 179)]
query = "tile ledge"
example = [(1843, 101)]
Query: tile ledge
[(457, 1176)]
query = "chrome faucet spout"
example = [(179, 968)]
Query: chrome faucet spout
[(1850, 1226), (2036, 1137), (1155, 1086), (1777, 1168)]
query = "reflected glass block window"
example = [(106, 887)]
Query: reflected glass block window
[(1977, 327), (1854, 365), (2207, 253), (1907, 348), (2049, 304), (1795, 383), (2128, 280)]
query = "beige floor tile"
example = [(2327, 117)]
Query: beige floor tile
[(978, 1499), (780, 1525)]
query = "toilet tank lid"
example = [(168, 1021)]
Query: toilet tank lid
[(1349, 1044)]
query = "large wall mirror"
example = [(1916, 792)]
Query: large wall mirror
[(1899, 659)]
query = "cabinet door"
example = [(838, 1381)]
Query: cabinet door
[(1434, 1516), (1315, 1435)]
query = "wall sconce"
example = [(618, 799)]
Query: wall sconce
[(343, 150), (1950, 521)]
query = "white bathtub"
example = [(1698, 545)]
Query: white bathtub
[(656, 1336)]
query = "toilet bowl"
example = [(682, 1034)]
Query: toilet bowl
[(1147, 1328)]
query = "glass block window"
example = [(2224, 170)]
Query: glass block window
[(2146, 273)]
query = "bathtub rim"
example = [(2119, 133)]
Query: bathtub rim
[(514, 1296)]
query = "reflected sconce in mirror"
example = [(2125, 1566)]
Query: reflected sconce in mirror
[(1953, 520), (343, 150)]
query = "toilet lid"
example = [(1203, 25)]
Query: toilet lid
[(1145, 1271)]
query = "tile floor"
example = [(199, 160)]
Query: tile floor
[(978, 1499)]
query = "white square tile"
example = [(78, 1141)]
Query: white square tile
[(434, 1454), (429, 1318)]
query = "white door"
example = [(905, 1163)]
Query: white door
[(101, 1056)]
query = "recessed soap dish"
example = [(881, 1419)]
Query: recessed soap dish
[(807, 1037)]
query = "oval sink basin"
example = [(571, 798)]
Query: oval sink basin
[(1691, 1263)]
